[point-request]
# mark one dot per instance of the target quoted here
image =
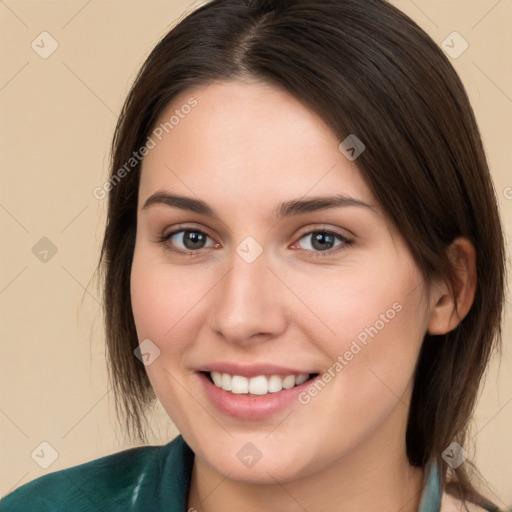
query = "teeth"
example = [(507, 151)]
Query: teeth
[(260, 385), (217, 378), (289, 381), (226, 382), (301, 378), (275, 383), (239, 385)]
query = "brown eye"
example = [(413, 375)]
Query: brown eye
[(322, 240), (186, 240)]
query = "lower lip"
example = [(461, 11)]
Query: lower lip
[(251, 407)]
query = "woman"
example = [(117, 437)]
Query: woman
[(303, 262)]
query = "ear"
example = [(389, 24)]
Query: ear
[(452, 301)]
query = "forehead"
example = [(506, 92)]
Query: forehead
[(248, 142)]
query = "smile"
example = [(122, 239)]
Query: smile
[(257, 385), (253, 392)]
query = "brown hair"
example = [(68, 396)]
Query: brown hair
[(366, 69)]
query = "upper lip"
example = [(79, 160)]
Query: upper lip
[(251, 370)]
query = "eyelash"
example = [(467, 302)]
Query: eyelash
[(164, 238)]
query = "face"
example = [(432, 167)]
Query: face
[(238, 285)]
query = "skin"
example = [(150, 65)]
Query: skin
[(295, 305)]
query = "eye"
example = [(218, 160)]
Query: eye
[(188, 241), (191, 240), (324, 241)]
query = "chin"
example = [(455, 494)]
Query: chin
[(251, 458)]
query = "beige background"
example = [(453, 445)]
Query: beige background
[(58, 115)]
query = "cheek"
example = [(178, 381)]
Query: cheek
[(154, 308), (365, 304), (163, 300), (372, 362), (377, 323), (152, 303), (163, 297)]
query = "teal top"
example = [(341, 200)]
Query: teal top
[(147, 478)]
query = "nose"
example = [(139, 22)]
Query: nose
[(248, 303)]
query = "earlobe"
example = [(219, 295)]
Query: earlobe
[(452, 301)]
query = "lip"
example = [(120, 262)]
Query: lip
[(252, 370), (252, 407)]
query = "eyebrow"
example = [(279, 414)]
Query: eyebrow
[(286, 209)]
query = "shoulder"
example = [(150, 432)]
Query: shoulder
[(452, 504), (113, 482)]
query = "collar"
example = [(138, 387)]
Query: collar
[(431, 497)]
